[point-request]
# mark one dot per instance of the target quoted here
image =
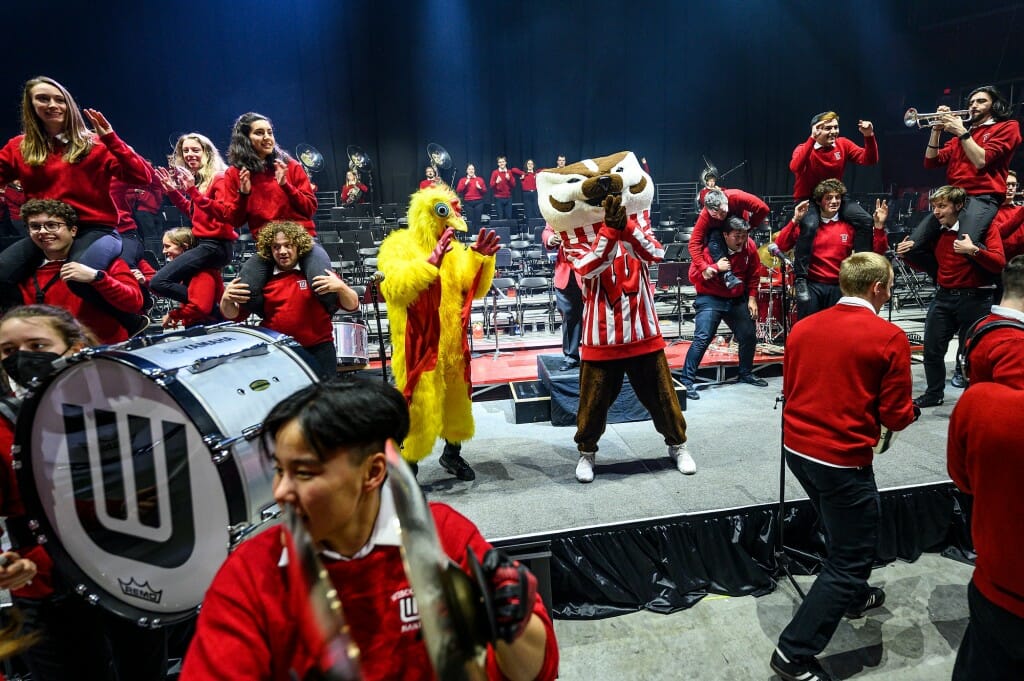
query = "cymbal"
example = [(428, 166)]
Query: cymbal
[(358, 158), (766, 258), (439, 156)]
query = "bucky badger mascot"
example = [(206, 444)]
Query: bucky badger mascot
[(601, 208), (430, 280)]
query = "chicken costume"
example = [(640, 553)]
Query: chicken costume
[(428, 310), (601, 209)]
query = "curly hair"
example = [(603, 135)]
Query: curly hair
[(51, 207), (212, 164), (70, 330), (293, 231), (829, 186), (241, 153), (36, 144)]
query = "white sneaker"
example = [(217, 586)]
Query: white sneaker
[(585, 467), (684, 462)]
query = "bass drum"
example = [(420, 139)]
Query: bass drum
[(139, 466)]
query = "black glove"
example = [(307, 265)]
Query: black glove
[(513, 589), (614, 212)]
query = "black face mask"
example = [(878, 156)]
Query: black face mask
[(24, 365)]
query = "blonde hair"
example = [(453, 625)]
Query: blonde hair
[(35, 146), (181, 237), (293, 231), (213, 163), (954, 195), (861, 271)]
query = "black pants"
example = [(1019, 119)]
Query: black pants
[(569, 301), (530, 204), (820, 297), (131, 248), (975, 218), (951, 313), (993, 644), (81, 641), (503, 209), (325, 360), (256, 272), (173, 278), (474, 213), (847, 503)]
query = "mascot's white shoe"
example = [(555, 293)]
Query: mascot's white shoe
[(684, 462), (585, 467)]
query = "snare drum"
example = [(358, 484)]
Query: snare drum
[(139, 468), (350, 341)]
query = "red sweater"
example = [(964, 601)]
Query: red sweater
[(810, 166), (291, 307), (998, 357), (837, 420), (119, 287), (204, 293), (999, 140), (343, 194), (745, 265), (123, 196), (84, 185), (833, 243), (502, 183), (472, 188), (528, 180), (248, 631), (293, 201), (985, 460), (745, 205), (963, 271), (211, 212)]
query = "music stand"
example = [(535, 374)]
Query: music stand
[(372, 295), (676, 273), (495, 292)]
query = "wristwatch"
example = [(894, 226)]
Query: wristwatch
[(964, 136), (100, 275)]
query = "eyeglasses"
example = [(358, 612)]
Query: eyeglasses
[(49, 226)]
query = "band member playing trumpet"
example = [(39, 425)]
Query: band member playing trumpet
[(823, 156), (977, 159), (966, 282), (354, 191), (832, 243)]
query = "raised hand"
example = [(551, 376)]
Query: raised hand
[(444, 244), (866, 128), (881, 213), (280, 171), (244, 181), (800, 210), (487, 242), (166, 180), (614, 212), (99, 122)]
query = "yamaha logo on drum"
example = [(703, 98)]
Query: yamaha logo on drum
[(137, 590), (132, 486)]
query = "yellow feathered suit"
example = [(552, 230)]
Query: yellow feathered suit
[(428, 311)]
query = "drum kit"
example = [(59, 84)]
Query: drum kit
[(771, 298)]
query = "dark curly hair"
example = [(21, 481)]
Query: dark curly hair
[(241, 153), (51, 207), (1002, 110), (827, 187)]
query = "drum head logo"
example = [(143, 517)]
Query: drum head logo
[(132, 487)]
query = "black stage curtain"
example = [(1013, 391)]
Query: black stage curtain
[(670, 566), (673, 81)]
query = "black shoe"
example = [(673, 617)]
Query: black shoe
[(803, 294), (876, 597), (798, 669), (731, 280), (927, 400), (568, 364), (958, 380), (691, 393), (751, 379), (453, 462)]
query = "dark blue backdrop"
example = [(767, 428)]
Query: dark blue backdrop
[(672, 80)]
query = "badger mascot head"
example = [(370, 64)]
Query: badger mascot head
[(571, 198)]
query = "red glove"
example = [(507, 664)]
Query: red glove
[(614, 212), (513, 589), (487, 242), (444, 244)]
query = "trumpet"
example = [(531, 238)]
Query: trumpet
[(927, 120)]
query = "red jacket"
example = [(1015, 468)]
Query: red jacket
[(84, 185), (833, 243), (293, 201), (999, 356), (745, 264), (999, 140), (472, 188), (211, 212), (811, 166), (291, 307), (119, 287), (985, 460), (528, 180), (563, 270), (745, 205), (502, 183), (249, 627), (964, 271), (838, 421), (204, 293)]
